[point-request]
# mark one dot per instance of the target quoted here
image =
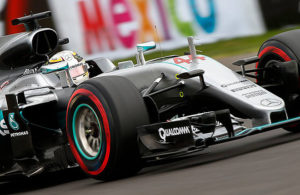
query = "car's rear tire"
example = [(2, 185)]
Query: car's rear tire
[(115, 108), (284, 48)]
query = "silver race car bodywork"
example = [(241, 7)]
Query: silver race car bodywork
[(223, 83)]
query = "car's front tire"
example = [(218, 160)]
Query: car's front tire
[(284, 47), (102, 117)]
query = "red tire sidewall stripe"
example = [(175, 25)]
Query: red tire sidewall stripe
[(275, 50), (106, 129)]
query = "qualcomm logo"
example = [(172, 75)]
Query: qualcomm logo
[(12, 122), (164, 133)]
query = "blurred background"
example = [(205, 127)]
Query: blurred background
[(227, 30), (112, 28)]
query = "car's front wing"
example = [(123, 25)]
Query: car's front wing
[(172, 138)]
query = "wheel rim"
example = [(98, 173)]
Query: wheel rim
[(87, 131)]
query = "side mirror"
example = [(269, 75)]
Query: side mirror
[(146, 46)]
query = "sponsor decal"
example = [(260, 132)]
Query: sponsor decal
[(3, 124), (18, 134), (270, 102), (255, 94), (4, 132), (12, 122), (195, 130), (68, 57), (234, 83), (243, 88), (4, 84), (180, 60), (30, 71), (3, 127), (165, 133)]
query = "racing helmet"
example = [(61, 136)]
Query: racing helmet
[(70, 61)]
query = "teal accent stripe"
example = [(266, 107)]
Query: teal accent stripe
[(175, 65), (1, 115), (24, 119), (146, 48), (259, 128), (46, 70), (75, 136)]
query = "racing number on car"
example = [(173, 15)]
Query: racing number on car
[(180, 60)]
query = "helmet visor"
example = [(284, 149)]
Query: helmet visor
[(78, 70)]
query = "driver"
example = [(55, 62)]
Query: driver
[(76, 65)]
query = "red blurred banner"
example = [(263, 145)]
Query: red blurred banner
[(15, 9)]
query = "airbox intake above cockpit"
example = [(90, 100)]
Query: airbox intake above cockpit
[(18, 49)]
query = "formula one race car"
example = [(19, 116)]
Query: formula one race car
[(59, 111)]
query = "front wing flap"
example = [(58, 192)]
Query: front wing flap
[(173, 138), (162, 139)]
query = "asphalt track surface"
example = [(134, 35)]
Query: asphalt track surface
[(267, 163)]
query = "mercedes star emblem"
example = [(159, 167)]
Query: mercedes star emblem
[(270, 102)]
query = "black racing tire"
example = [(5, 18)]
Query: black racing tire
[(107, 109), (283, 47)]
